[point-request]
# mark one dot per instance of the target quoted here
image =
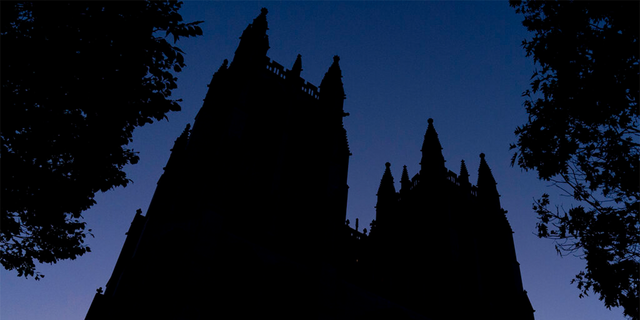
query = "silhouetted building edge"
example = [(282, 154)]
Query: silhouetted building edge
[(248, 218)]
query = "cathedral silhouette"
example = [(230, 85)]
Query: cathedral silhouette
[(248, 218)]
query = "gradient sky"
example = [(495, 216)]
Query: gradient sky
[(460, 63)]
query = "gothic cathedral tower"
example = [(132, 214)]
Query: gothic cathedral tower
[(248, 219), (251, 198), (445, 245)]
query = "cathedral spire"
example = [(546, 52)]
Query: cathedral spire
[(387, 198), (487, 190), (463, 178), (333, 77), (297, 67), (331, 88), (386, 184), (405, 182), (432, 163)]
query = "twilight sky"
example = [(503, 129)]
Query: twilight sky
[(459, 63)]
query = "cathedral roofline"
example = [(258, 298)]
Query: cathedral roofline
[(252, 52)]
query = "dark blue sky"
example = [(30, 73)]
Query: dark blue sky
[(459, 63)]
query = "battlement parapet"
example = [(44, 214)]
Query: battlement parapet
[(276, 68), (281, 72)]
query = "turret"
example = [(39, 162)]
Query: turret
[(487, 191), (463, 178), (297, 67), (386, 189), (254, 43), (387, 196), (405, 182), (331, 89), (432, 163), (293, 75)]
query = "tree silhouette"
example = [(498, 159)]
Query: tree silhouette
[(583, 135), (77, 78)]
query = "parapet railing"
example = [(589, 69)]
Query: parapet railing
[(311, 90), (474, 191), (451, 176), (280, 71), (276, 68)]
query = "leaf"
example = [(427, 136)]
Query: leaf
[(583, 110), (83, 143)]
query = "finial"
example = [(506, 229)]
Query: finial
[(386, 183), (464, 173), (487, 185), (331, 88), (463, 168), (405, 182), (432, 162), (264, 11)]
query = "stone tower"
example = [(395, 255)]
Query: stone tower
[(248, 219), (255, 190), (444, 244)]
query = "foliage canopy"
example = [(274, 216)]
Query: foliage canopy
[(77, 78), (583, 135)]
